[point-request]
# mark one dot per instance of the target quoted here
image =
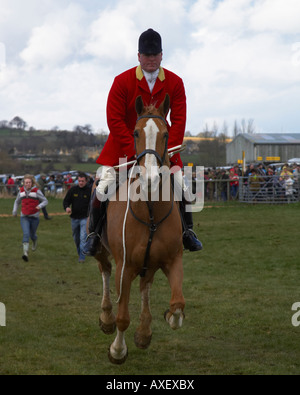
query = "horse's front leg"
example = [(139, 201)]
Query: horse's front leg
[(143, 334), (118, 351), (175, 315), (107, 319)]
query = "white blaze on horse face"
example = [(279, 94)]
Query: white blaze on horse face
[(152, 174)]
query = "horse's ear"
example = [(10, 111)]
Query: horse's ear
[(165, 105), (139, 105)]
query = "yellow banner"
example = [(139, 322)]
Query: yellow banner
[(273, 158)]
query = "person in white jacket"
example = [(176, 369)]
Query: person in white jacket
[(32, 201), (289, 187)]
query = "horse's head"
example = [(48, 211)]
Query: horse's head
[(151, 141)]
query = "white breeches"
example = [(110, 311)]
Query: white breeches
[(107, 176)]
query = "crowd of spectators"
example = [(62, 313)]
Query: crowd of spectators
[(51, 185), (259, 182), (273, 183), (222, 183)]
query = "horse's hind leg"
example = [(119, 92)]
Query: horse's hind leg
[(143, 334), (175, 315), (107, 320)]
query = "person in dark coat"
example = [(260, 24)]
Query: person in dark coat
[(76, 203)]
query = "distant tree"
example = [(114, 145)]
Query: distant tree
[(243, 128), (223, 136), (17, 123), (251, 126), (4, 124), (77, 129), (206, 128), (225, 128), (215, 129), (247, 126), (236, 129), (83, 129), (88, 129)]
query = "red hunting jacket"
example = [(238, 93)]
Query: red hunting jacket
[(122, 116)]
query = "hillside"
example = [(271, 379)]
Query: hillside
[(18, 141), (56, 150), (35, 150)]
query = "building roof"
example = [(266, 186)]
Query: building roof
[(272, 138), (198, 139)]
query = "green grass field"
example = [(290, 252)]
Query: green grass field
[(239, 293)]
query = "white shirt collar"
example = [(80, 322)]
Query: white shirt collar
[(151, 78)]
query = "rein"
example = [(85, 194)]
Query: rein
[(153, 116)]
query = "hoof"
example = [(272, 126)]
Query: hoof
[(175, 319), (166, 315), (117, 361), (108, 329), (141, 341)]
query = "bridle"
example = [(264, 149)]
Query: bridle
[(160, 159), (152, 225)]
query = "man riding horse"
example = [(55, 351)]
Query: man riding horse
[(152, 82)]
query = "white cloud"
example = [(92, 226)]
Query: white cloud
[(238, 58), (237, 69), (112, 35), (18, 18), (57, 39), (2, 56), (61, 97), (280, 16)]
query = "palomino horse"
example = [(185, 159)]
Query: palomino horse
[(142, 236)]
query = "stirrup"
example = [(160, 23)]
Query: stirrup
[(92, 235), (91, 243)]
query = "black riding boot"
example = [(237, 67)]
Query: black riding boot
[(190, 240), (94, 227)]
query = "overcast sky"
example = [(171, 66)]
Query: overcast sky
[(239, 59)]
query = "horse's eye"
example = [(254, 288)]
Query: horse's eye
[(136, 134)]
